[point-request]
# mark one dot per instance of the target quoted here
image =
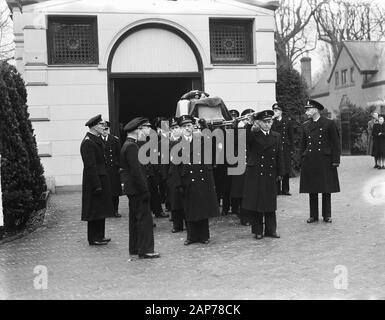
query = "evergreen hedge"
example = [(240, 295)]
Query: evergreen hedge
[(291, 93), (21, 171)]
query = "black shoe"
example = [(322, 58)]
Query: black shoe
[(205, 241), (376, 166), (328, 219), (311, 220), (133, 253), (245, 224), (117, 215), (176, 230), (97, 243), (106, 239), (258, 236), (188, 242), (273, 235), (162, 215), (286, 193), (152, 255)]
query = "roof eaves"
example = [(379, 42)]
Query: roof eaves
[(338, 56)]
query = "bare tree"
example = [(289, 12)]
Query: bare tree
[(7, 45), (339, 20), (293, 35)]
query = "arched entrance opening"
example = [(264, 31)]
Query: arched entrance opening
[(150, 67)]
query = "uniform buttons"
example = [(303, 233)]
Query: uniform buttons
[(309, 137), (319, 149), (263, 157), (310, 150), (192, 180), (309, 142), (261, 174), (270, 174), (261, 165), (320, 136), (203, 179), (319, 142), (321, 129), (201, 170), (190, 171)]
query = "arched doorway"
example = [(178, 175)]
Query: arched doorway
[(149, 68)]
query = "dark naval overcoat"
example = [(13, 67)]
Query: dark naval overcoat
[(197, 181), (95, 204), (173, 179), (264, 164), (320, 147), (112, 153), (285, 129)]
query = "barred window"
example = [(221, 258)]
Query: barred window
[(72, 40), (231, 41)]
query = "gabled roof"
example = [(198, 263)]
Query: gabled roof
[(365, 55), (21, 3)]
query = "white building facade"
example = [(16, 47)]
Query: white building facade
[(135, 58)]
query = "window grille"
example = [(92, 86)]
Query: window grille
[(231, 41), (72, 40)]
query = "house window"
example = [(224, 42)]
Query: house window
[(72, 40), (337, 79), (231, 41), (351, 74), (343, 76)]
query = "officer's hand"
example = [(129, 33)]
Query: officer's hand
[(335, 164), (255, 127), (97, 191)]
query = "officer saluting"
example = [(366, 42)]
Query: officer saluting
[(96, 190), (320, 150), (112, 155), (264, 167), (283, 126), (141, 235)]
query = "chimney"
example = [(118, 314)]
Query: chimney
[(306, 70)]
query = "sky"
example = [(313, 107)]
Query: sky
[(6, 35)]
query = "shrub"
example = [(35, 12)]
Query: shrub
[(359, 118), (21, 170), (291, 93)]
